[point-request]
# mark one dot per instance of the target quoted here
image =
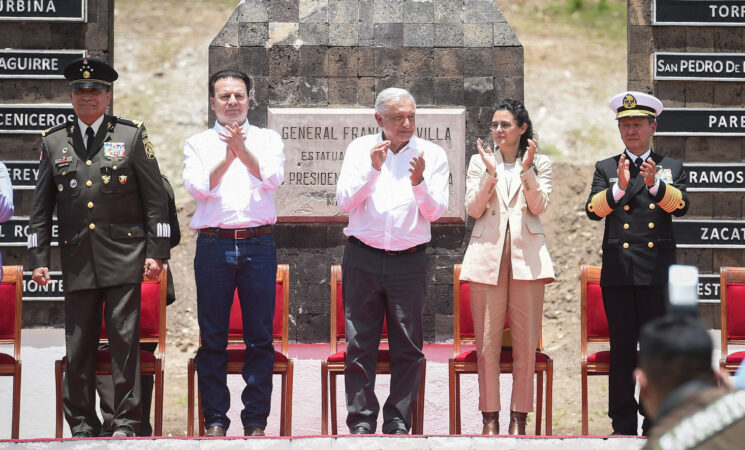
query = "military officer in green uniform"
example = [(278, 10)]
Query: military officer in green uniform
[(101, 174)]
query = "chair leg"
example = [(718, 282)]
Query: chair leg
[(538, 402), (451, 396), (190, 369), (457, 403), (585, 425), (332, 403), (282, 403), (549, 398), (201, 412), (158, 430), (288, 407), (15, 427), (324, 398), (58, 371)]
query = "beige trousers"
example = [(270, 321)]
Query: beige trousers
[(523, 300)]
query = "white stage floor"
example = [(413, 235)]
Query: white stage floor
[(338, 443)]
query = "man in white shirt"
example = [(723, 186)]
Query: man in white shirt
[(393, 185), (232, 170)]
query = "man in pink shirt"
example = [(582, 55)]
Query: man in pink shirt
[(393, 185), (232, 170)]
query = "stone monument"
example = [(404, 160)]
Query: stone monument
[(317, 66)]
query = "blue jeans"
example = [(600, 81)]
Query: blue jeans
[(220, 266)]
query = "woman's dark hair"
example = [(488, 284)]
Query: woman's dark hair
[(521, 116)]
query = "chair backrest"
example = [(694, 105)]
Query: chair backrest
[(594, 321), (152, 310), (463, 320), (732, 295), (280, 323), (337, 333), (11, 300)]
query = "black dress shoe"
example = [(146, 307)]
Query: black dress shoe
[(215, 431), (253, 431), (81, 434), (398, 431), (123, 432), (360, 429)]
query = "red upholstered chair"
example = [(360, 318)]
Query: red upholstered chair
[(11, 296), (283, 365), (466, 362), (152, 329), (732, 294), (333, 366), (594, 330)]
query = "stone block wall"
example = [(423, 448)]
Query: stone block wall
[(96, 36), (644, 39), (341, 53)]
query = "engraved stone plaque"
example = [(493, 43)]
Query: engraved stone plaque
[(315, 141)]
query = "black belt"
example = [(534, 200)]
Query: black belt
[(408, 251), (237, 233)]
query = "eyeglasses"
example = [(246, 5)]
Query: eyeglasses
[(505, 126)]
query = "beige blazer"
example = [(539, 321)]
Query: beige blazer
[(487, 201)]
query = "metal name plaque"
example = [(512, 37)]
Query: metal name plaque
[(53, 290), (699, 66), (698, 12), (23, 174), (715, 177), (315, 141), (14, 233), (701, 122), (43, 10), (709, 233), (708, 288), (23, 118), (39, 64)]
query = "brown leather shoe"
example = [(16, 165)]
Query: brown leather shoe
[(491, 423), (215, 431), (253, 431), (517, 423)]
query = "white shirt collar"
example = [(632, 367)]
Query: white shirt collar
[(411, 144), (220, 128), (633, 157), (95, 125)]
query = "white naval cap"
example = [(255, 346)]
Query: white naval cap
[(635, 104)]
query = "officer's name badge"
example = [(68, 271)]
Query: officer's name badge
[(114, 150), (665, 175), (613, 180), (63, 162)]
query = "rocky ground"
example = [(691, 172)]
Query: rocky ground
[(574, 62)]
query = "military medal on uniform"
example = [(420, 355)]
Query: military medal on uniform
[(114, 151)]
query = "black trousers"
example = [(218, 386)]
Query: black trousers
[(105, 388), (377, 286), (83, 310), (628, 308)]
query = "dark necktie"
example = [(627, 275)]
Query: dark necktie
[(638, 162), (89, 140)]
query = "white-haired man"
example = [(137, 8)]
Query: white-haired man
[(393, 185)]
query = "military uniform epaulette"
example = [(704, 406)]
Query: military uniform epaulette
[(130, 122), (54, 128)]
